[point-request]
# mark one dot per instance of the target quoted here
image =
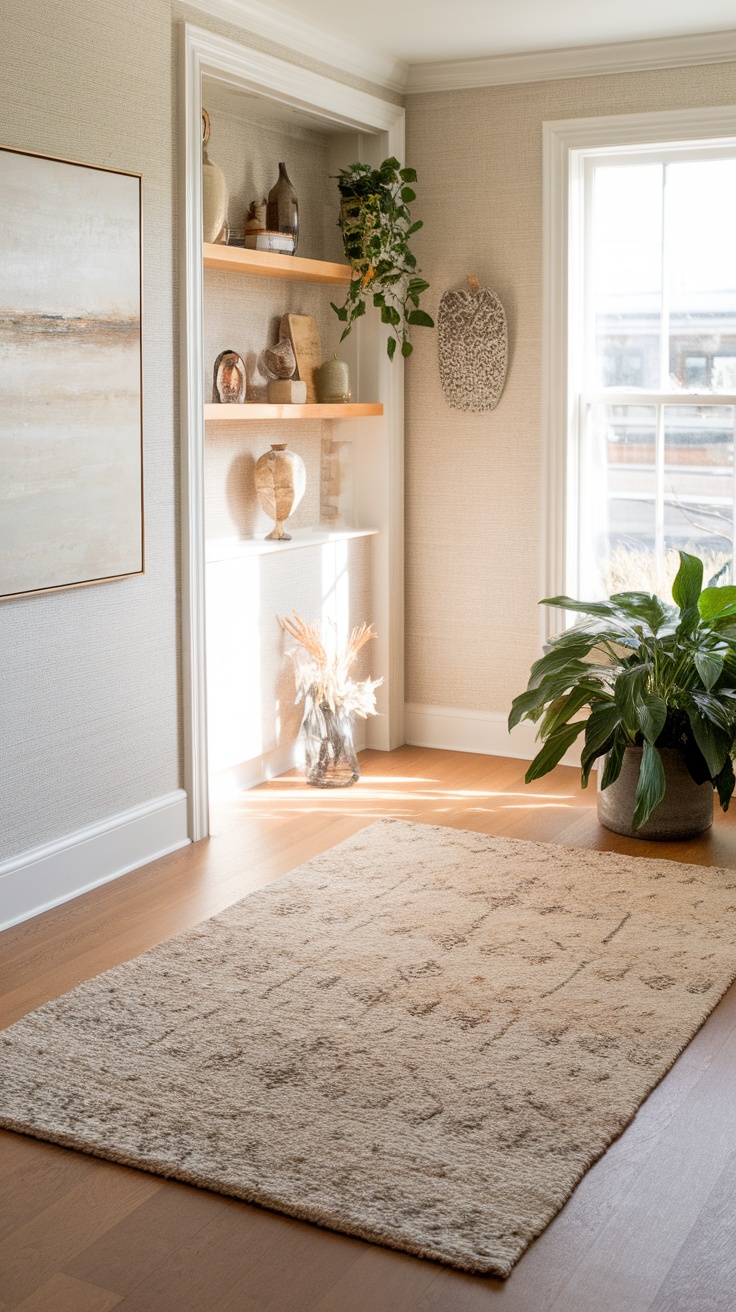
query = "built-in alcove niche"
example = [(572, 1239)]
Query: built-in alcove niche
[(344, 562)]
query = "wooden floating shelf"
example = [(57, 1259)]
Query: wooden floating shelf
[(268, 264), (250, 410)]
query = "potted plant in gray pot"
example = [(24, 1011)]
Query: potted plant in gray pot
[(658, 681)]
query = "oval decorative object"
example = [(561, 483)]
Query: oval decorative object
[(228, 383), (472, 347), (280, 360), (281, 479)]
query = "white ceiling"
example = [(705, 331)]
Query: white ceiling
[(417, 31)]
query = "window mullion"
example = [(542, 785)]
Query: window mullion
[(659, 498), (664, 322)]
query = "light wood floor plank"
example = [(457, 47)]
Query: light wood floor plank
[(381, 1281), (39, 1248), (41, 1178), (62, 1294), (643, 1236), (707, 1259), (152, 1234), (202, 1272), (294, 1276)]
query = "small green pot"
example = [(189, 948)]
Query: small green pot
[(685, 811)]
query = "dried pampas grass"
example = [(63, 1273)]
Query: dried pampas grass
[(322, 675)]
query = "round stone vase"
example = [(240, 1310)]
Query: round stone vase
[(685, 811), (281, 480)]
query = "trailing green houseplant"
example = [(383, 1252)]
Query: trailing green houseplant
[(651, 675), (376, 228)]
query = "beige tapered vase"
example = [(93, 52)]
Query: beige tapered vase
[(685, 810), (280, 480)]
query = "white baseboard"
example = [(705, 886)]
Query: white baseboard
[(485, 732), (46, 876), (235, 779)]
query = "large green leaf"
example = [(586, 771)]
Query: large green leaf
[(725, 782), (553, 751), (421, 318), (530, 704), (630, 685), (563, 709), (614, 761), (554, 661), (585, 607), (711, 740), (714, 708), (651, 712), (709, 666), (643, 607), (601, 724), (717, 605), (651, 786), (617, 632), (688, 583)]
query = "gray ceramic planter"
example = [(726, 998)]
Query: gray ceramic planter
[(685, 811)]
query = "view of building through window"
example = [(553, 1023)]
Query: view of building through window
[(657, 462)]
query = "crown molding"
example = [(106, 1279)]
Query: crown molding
[(578, 61), (305, 38)]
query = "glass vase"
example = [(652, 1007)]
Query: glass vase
[(331, 759)]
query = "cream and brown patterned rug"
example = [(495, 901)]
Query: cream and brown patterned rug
[(423, 1037)]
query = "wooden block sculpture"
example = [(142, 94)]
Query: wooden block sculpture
[(303, 333)]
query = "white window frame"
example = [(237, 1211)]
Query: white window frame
[(566, 146)]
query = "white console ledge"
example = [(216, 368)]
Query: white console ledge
[(217, 549)]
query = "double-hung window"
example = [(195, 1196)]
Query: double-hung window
[(649, 406)]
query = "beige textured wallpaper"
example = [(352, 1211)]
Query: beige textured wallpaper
[(89, 713), (473, 482)]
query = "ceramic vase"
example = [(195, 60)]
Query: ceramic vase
[(282, 211), (214, 192), (685, 810), (332, 381), (281, 479)]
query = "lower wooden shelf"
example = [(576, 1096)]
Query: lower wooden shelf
[(218, 549), (249, 410)]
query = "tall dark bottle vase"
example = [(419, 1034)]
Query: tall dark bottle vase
[(282, 214)]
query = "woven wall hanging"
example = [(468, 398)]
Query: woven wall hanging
[(472, 343)]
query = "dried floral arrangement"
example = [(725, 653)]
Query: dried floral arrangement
[(323, 677)]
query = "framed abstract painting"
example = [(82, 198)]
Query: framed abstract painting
[(71, 458)]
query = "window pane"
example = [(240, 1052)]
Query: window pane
[(627, 275), (698, 484), (700, 201), (618, 500)]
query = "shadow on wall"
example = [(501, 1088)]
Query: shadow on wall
[(241, 495)]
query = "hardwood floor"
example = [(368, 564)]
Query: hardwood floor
[(649, 1227)]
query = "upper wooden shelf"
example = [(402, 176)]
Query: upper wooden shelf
[(238, 412), (267, 264)]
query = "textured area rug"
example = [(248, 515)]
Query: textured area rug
[(423, 1037)]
